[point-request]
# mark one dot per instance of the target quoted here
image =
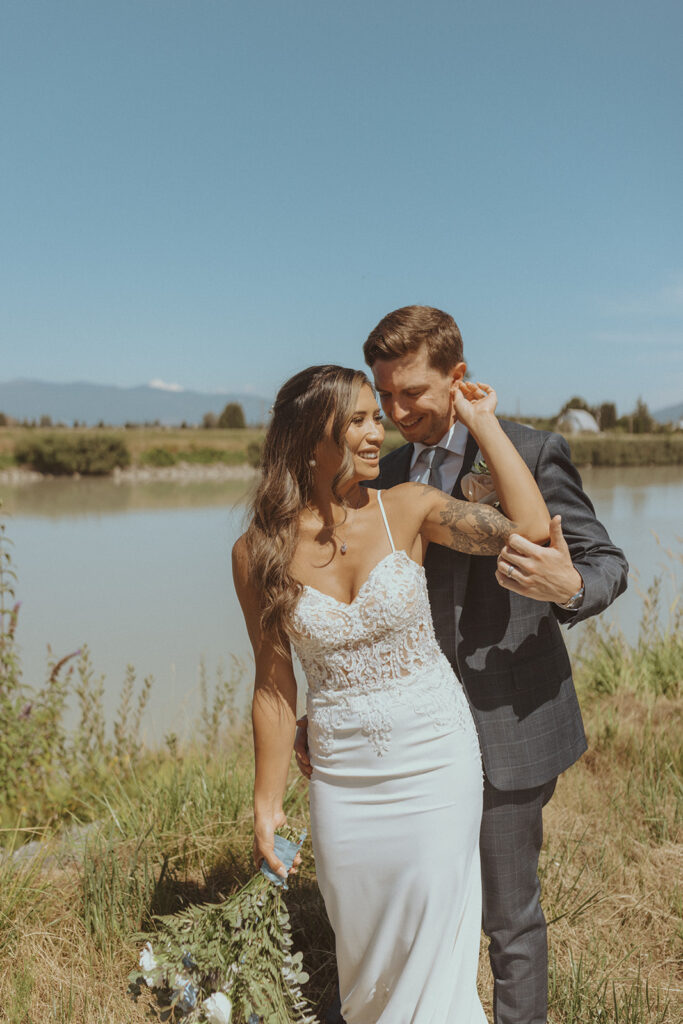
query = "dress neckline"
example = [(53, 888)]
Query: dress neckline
[(366, 581)]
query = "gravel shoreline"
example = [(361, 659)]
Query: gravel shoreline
[(182, 473)]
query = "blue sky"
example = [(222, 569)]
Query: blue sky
[(215, 194)]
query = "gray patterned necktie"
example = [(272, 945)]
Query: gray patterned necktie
[(431, 459)]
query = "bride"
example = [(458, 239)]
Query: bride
[(334, 569)]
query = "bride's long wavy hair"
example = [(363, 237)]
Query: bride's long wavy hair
[(302, 409)]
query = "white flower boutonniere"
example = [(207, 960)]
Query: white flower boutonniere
[(477, 485)]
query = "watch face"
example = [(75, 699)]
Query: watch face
[(574, 601)]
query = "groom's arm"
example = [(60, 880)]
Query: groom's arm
[(580, 554)]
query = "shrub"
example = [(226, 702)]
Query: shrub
[(206, 456), (60, 455), (232, 416), (158, 457), (254, 451)]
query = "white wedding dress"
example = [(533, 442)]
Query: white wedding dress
[(396, 799)]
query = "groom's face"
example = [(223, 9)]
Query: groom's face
[(416, 396)]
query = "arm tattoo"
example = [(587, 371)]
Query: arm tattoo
[(473, 528)]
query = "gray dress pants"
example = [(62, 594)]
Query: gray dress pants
[(510, 843)]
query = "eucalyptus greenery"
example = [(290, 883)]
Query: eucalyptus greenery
[(241, 948)]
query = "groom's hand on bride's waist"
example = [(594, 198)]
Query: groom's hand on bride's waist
[(301, 747)]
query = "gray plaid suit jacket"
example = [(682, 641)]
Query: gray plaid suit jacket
[(508, 650)]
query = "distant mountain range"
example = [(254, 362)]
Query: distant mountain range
[(672, 414), (92, 403)]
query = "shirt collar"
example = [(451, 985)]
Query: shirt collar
[(454, 441)]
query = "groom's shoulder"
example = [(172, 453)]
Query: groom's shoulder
[(526, 438)]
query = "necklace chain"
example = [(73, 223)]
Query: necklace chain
[(343, 548)]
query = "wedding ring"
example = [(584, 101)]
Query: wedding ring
[(511, 569)]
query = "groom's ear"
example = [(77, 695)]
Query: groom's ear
[(456, 375)]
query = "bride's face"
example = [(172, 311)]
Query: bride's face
[(363, 439)]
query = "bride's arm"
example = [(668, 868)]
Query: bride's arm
[(273, 718), (462, 525), (479, 529), (518, 492)]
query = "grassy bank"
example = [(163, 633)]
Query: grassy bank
[(172, 827), (193, 445), (155, 446), (627, 449)]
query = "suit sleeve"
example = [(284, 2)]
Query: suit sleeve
[(602, 565)]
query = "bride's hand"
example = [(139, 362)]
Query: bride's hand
[(473, 401), (264, 844)]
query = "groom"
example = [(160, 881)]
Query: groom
[(498, 622)]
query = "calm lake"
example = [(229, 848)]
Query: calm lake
[(141, 573)]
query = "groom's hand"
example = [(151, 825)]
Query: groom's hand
[(301, 748), (544, 573)]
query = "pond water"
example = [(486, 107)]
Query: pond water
[(141, 573)]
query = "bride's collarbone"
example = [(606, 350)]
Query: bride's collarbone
[(341, 575)]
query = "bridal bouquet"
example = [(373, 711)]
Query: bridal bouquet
[(208, 963)]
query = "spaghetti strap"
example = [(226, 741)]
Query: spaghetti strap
[(384, 517)]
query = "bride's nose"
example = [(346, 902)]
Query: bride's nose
[(375, 433)]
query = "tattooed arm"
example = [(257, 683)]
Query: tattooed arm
[(463, 525)]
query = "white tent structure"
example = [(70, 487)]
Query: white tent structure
[(577, 421)]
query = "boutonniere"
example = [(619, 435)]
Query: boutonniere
[(477, 485)]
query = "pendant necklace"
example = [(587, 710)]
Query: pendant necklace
[(343, 547)]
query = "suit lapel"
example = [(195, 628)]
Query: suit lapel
[(471, 450), (395, 467), (462, 562)]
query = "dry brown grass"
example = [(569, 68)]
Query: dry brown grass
[(611, 871)]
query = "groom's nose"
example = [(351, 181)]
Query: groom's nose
[(399, 410)]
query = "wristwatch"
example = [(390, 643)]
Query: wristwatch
[(575, 601)]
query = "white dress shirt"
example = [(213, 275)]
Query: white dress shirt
[(454, 442)]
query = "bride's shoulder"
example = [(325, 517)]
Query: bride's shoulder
[(240, 561), (408, 493)]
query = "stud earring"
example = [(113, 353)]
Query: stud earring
[(311, 462)]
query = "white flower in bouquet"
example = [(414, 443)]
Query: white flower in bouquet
[(217, 1009), (150, 967)]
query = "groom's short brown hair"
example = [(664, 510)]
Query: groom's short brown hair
[(407, 329)]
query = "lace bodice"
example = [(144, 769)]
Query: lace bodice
[(365, 656)]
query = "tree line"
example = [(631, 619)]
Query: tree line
[(231, 418)]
